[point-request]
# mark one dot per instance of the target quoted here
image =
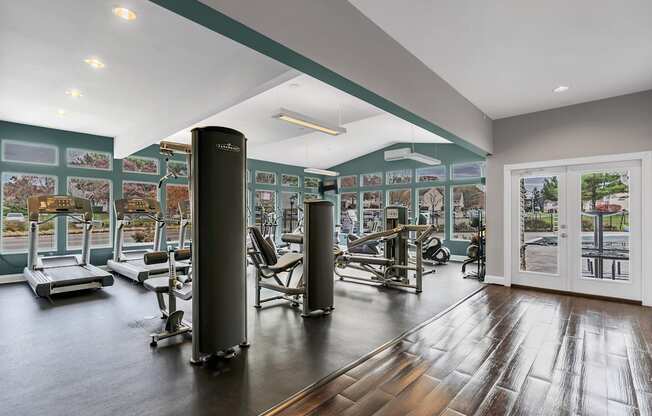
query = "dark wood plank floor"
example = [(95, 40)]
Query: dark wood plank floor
[(505, 352)]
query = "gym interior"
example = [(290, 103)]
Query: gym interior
[(318, 208)]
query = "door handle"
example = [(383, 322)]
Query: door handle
[(563, 235)]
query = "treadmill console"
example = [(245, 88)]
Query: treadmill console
[(58, 204), (137, 206)]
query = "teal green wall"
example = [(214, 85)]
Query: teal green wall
[(14, 263), (375, 162)]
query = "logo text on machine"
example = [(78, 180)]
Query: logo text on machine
[(227, 147)]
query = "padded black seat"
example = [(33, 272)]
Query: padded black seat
[(377, 261), (160, 285), (286, 261), (157, 284), (292, 238)]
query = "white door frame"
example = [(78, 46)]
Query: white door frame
[(646, 200)]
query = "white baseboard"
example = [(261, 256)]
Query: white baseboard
[(11, 278), (495, 280)]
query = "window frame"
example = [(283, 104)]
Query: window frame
[(2, 203), (155, 159), (122, 195), (29, 144), (110, 244), (452, 207), (387, 176), (68, 165), (264, 183)]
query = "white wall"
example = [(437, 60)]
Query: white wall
[(614, 125), (338, 36)]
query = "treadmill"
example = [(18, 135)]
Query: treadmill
[(130, 263), (59, 274)]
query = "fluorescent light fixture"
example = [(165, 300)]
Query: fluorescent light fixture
[(324, 172), (561, 88), (61, 112), (94, 62), (308, 122), (407, 153), (124, 13)]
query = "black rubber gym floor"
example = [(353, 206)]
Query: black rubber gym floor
[(89, 354)]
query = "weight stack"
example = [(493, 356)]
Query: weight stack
[(398, 248), (218, 187), (319, 262)]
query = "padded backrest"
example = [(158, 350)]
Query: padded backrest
[(266, 250)]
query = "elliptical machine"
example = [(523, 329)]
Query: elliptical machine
[(433, 249)]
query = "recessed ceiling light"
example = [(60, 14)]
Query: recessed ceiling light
[(560, 88), (294, 85), (75, 93), (94, 62), (61, 112), (124, 13)]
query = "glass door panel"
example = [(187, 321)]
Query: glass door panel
[(539, 228), (605, 229), (539, 224)]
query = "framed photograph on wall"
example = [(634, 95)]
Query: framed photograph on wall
[(350, 181), (89, 159), (265, 178), (371, 179), (289, 180), (138, 164), (399, 177)]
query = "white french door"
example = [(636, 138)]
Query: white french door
[(578, 229)]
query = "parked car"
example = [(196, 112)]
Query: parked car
[(15, 217)]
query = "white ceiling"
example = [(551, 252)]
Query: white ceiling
[(162, 72), (368, 128), (506, 56)]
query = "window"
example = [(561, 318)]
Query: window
[(372, 212), (350, 181), (89, 159), (141, 230), (178, 167), (137, 164), (472, 170), (265, 209), (265, 178), (349, 212), (174, 194), (311, 197), (34, 153), (432, 209), (16, 187), (431, 174), (400, 197), (371, 179), (289, 211), (248, 176), (98, 191), (310, 182), (399, 177), (467, 204), (289, 180)]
